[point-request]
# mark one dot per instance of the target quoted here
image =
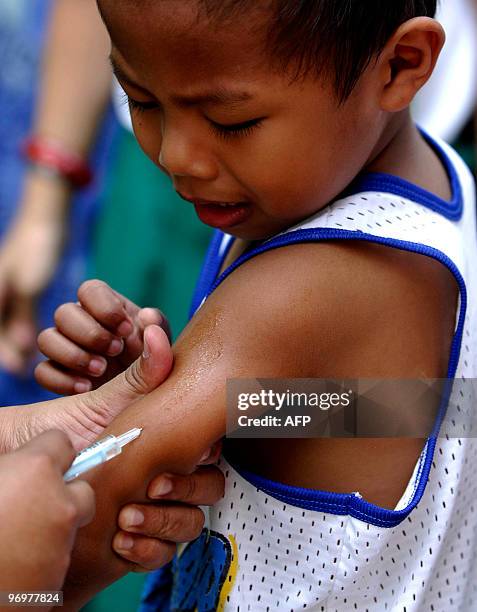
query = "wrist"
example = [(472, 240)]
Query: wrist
[(14, 430), (45, 197), (19, 424), (52, 157)]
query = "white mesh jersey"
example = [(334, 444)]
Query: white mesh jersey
[(275, 547)]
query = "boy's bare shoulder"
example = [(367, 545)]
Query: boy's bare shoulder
[(338, 309)]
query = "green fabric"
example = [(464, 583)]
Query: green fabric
[(149, 246), (122, 596), (468, 151)]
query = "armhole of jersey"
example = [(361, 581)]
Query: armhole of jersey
[(353, 504), (208, 273)]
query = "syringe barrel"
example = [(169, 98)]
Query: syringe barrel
[(101, 451)]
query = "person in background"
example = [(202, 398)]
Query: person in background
[(46, 235)]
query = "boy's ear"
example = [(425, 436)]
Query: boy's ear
[(408, 61)]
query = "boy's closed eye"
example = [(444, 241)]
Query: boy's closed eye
[(243, 128)]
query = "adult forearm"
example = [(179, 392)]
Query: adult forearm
[(76, 75), (10, 426), (74, 90), (19, 424)]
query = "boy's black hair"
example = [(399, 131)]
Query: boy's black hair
[(338, 36)]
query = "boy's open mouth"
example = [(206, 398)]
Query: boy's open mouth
[(221, 215)]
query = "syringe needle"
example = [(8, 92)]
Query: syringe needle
[(129, 436)]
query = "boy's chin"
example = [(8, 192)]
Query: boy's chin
[(251, 235)]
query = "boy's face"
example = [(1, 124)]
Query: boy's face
[(227, 127)]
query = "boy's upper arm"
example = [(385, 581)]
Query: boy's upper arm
[(328, 310), (338, 310)]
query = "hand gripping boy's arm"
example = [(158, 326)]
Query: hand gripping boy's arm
[(330, 310)]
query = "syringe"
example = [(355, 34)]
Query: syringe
[(101, 451)]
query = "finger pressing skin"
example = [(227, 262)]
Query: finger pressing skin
[(106, 306), (135, 342), (153, 316), (212, 455), (176, 523), (148, 553), (204, 487), (50, 377), (80, 327), (60, 349)]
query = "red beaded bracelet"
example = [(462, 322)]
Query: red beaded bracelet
[(50, 154)]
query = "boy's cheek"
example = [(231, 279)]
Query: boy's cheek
[(148, 135)]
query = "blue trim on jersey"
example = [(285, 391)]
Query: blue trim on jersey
[(210, 269), (338, 503), (388, 183)]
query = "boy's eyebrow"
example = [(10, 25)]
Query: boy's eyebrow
[(218, 96)]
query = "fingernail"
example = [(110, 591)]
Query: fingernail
[(97, 366), (146, 353), (82, 386), (206, 456), (162, 487), (133, 517), (124, 542), (125, 329), (116, 347)]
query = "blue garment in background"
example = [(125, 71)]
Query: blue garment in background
[(22, 32)]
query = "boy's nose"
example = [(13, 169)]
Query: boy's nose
[(180, 158)]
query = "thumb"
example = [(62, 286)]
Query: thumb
[(153, 316), (143, 376), (21, 327), (17, 330)]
